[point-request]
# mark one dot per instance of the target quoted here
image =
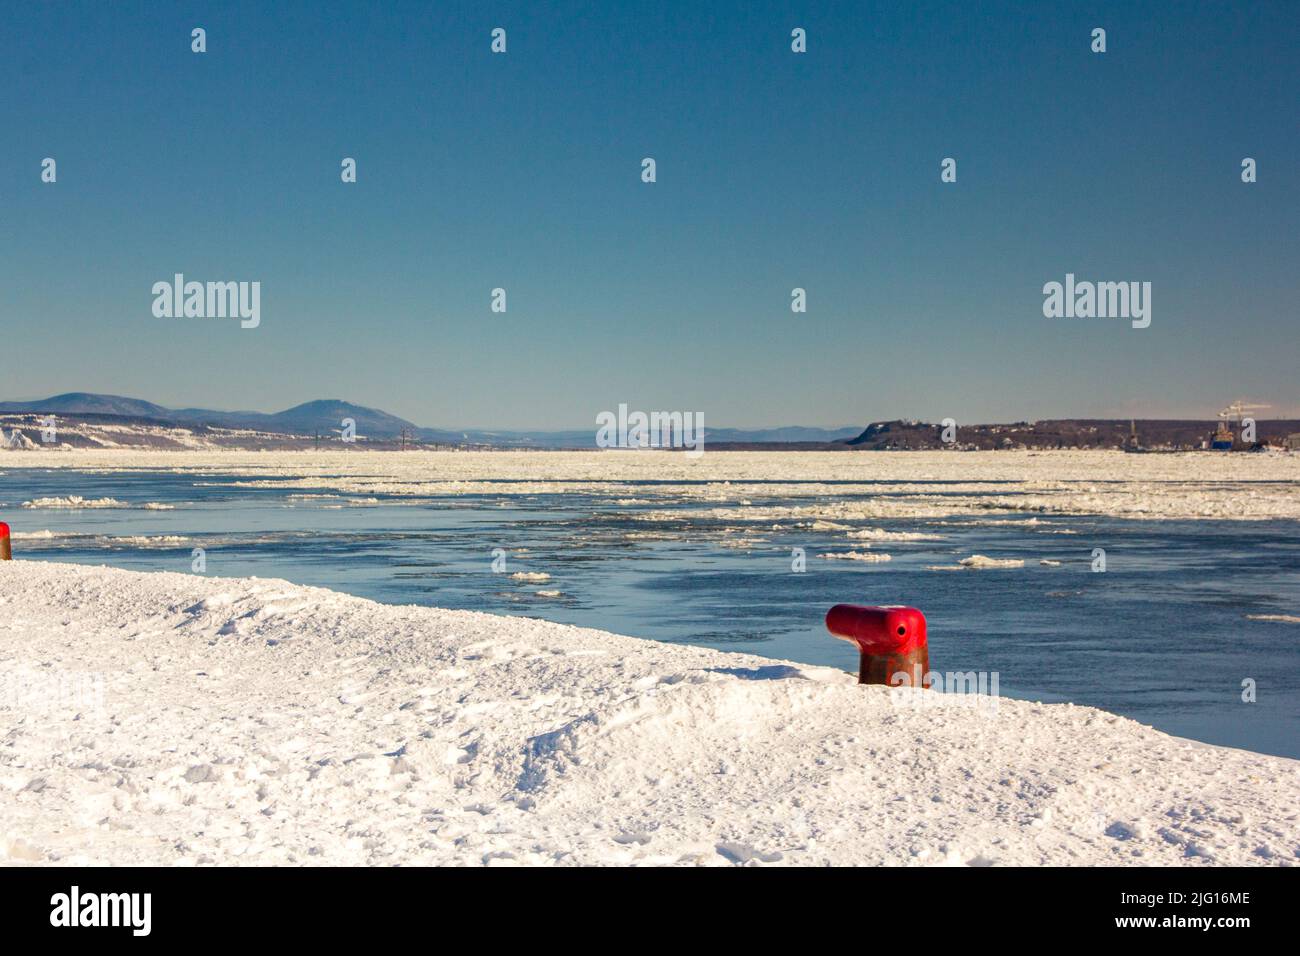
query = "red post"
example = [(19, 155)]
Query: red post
[(891, 640), (6, 552)]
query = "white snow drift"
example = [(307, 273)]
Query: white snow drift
[(170, 718)]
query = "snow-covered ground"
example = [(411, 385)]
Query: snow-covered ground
[(25, 432), (173, 718)]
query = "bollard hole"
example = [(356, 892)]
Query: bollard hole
[(901, 630)]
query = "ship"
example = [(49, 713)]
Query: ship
[(1223, 438)]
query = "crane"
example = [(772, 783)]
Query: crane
[(1235, 413)]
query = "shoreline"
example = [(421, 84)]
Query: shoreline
[(248, 720)]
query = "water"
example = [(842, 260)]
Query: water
[(1163, 636)]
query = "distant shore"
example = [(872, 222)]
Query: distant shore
[(323, 425)]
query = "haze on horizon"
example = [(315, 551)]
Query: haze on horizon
[(774, 171)]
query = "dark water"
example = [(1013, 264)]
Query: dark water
[(1163, 636)]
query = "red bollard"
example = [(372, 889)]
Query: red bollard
[(6, 552), (891, 640)]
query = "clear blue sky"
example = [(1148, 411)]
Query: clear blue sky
[(775, 170)]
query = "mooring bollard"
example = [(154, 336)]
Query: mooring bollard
[(891, 640), (6, 552)]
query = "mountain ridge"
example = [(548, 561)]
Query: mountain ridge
[(325, 416)]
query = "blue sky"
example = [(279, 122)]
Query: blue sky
[(775, 170)]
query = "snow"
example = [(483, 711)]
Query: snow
[(879, 534), (16, 440), (142, 540), (162, 718), (75, 501), (868, 556), (107, 541), (1024, 487), (980, 561), (123, 437)]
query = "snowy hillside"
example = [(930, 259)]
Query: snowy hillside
[(171, 718), (27, 433)]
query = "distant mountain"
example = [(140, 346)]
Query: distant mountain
[(326, 416), (88, 403), (323, 415)]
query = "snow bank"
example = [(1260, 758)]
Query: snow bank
[(173, 718)]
